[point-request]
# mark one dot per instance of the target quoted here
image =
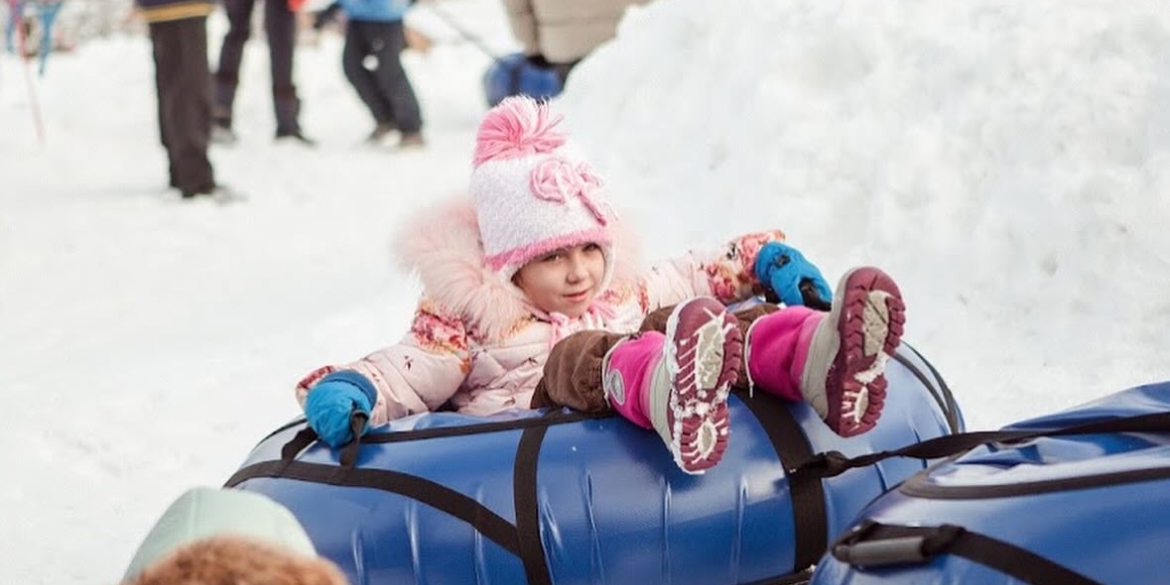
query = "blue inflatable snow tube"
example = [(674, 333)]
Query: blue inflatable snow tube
[(515, 75), (1086, 504), (564, 498)]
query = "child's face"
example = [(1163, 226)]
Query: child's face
[(564, 281)]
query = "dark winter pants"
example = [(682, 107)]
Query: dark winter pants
[(385, 89), (183, 83), (573, 373), (562, 70), (280, 28)]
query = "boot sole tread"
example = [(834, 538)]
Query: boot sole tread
[(701, 396), (859, 374)]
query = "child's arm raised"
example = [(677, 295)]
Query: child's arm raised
[(727, 273)]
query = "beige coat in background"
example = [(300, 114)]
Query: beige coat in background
[(565, 31)]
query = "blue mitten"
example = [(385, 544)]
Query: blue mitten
[(793, 279), (333, 400)]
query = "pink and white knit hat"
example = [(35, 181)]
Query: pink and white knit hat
[(533, 192)]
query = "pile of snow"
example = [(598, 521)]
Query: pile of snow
[(1008, 162)]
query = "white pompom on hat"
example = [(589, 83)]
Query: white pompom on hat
[(533, 191)]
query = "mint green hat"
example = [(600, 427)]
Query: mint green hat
[(204, 512)]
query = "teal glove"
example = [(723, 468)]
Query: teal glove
[(785, 272), (333, 401)]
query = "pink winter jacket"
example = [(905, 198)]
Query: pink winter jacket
[(478, 342)]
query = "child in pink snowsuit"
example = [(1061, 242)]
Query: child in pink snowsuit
[(532, 296)]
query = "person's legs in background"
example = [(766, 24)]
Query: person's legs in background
[(227, 75), (394, 85), (281, 29), (360, 43), (562, 70), (184, 95), (163, 72)]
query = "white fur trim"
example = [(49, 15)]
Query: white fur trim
[(441, 244)]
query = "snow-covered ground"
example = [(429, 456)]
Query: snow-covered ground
[(1008, 162)]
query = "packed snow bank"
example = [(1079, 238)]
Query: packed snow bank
[(1008, 161)]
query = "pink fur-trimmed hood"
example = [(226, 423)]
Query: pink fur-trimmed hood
[(442, 244)]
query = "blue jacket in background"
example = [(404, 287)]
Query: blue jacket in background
[(375, 10)]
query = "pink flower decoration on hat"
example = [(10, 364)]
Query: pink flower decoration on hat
[(557, 179)]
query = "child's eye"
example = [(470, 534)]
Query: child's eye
[(551, 257), (592, 247)]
